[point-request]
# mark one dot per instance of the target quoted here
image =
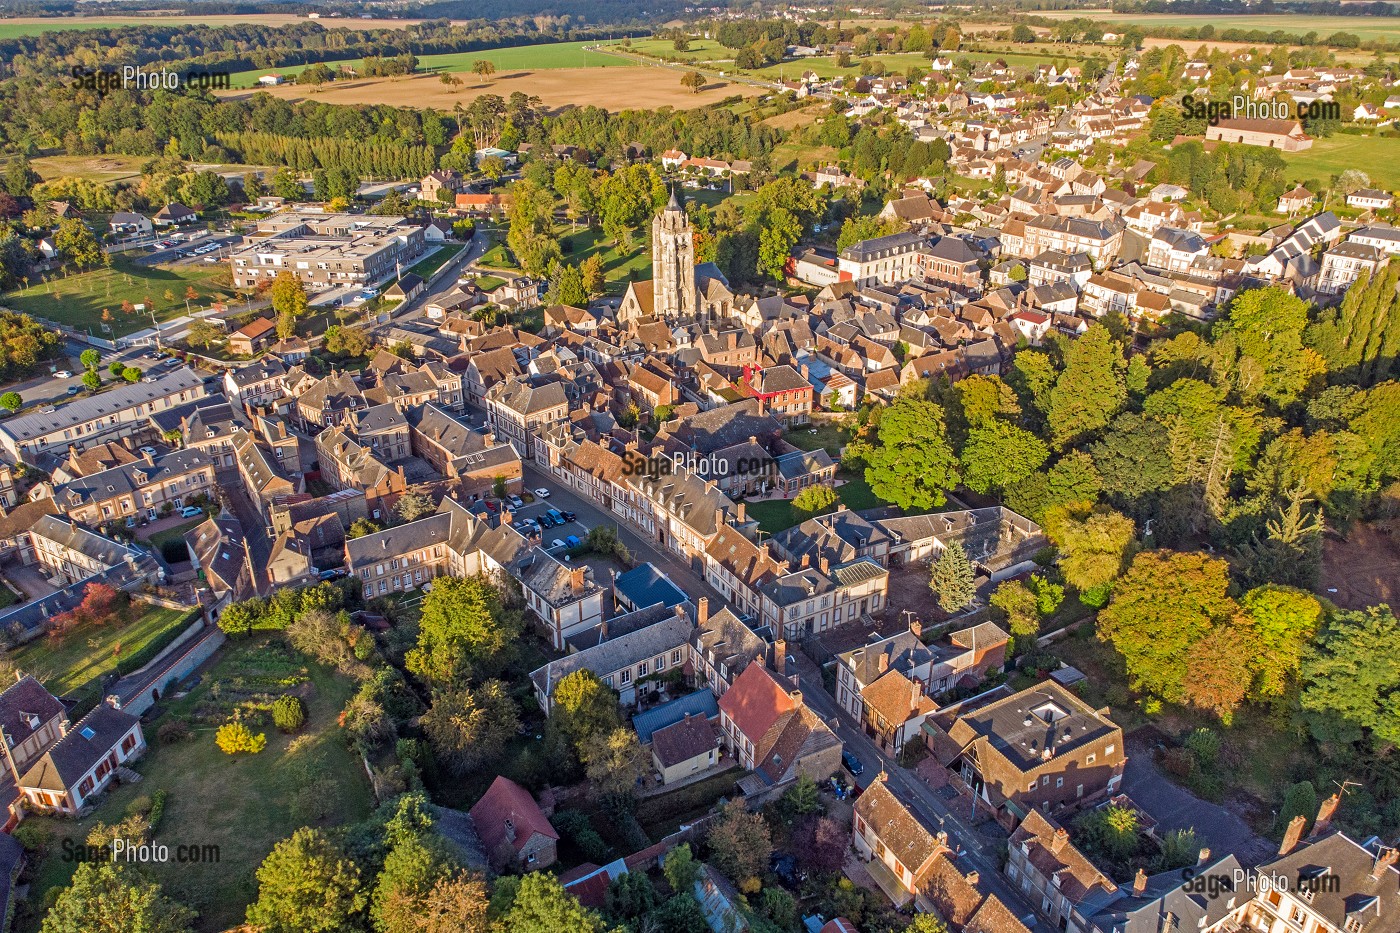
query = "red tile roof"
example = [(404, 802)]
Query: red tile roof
[(756, 701), (507, 800)]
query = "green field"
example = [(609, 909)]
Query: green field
[(92, 650), (1367, 27), (241, 804), (425, 268), (78, 299), (1377, 156), (547, 55)]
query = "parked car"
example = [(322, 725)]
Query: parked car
[(572, 541), (491, 506), (556, 543), (146, 451), (191, 511), (545, 521), (569, 516), (63, 374), (555, 516), (852, 763), (542, 493), (74, 390), (515, 501)]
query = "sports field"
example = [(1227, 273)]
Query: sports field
[(1367, 27), (543, 56), (1377, 156)]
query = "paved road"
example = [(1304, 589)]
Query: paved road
[(413, 310), (976, 849), (591, 515), (46, 389)]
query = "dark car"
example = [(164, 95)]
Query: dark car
[(569, 516), (852, 763), (545, 521)]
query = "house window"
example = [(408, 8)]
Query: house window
[(1045, 781), (1031, 787), (661, 663), (676, 656), (1110, 750), (626, 677), (1091, 759), (1059, 782)]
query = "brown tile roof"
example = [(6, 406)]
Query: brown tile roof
[(956, 897), (1049, 850), (890, 821), (994, 917), (748, 562), (896, 698), (684, 740)]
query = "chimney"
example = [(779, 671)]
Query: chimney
[(150, 458), (603, 630), (1385, 858), (973, 877), (1202, 857), (576, 580), (884, 662), (805, 562), (702, 610), (823, 564), (739, 510), (780, 657), (510, 830), (1293, 834), (840, 507), (1325, 814), (1140, 883), (719, 519), (916, 628), (1057, 842)]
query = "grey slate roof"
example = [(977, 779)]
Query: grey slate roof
[(72, 756), (618, 653), (28, 427)]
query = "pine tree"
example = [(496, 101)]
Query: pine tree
[(952, 579)]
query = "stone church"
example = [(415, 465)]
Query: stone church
[(680, 291)]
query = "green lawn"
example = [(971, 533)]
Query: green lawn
[(831, 437), (1374, 155), (775, 515), (619, 267), (89, 650), (173, 533), (544, 56), (241, 804), (498, 257), (425, 268), (488, 282), (78, 300)]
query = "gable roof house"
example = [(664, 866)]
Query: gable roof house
[(771, 732), (83, 762), (897, 848), (622, 661), (1056, 877), (31, 720), (513, 829)]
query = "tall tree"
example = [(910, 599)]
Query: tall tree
[(1351, 677), (740, 844), (541, 905), (464, 628), (913, 465), (469, 728), (999, 455), (952, 579), (583, 707), (1091, 389), (1162, 609), (615, 761), (307, 885), (107, 897), (1095, 544)]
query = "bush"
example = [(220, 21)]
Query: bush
[(33, 838), (234, 737), (288, 713), (157, 810), (173, 732)]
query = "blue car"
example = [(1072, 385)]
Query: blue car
[(852, 763), (572, 541)]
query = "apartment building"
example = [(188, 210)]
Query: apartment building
[(1344, 263), (147, 488), (882, 260), (327, 250), (116, 413), (1100, 239)]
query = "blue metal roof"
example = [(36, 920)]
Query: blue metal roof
[(646, 586), (701, 702)]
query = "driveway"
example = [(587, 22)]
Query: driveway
[(1174, 808)]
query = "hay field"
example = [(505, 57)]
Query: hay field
[(613, 88)]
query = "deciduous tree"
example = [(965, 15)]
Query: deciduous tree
[(740, 844), (913, 465), (307, 885), (110, 897), (464, 627), (469, 728)]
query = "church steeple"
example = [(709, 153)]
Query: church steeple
[(675, 203), (673, 262)]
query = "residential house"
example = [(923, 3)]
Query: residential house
[(252, 337), (219, 551), (622, 662), (771, 732), (148, 487), (721, 647), (1055, 877), (899, 851), (513, 830), (685, 748), (1041, 748), (81, 764), (31, 720)]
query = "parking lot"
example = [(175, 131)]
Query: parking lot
[(550, 533)]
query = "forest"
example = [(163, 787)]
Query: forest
[(1188, 488)]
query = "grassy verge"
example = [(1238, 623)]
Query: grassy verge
[(1375, 155), (242, 805), (89, 651), (775, 515), (425, 268)]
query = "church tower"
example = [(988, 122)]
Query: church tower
[(673, 262)]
